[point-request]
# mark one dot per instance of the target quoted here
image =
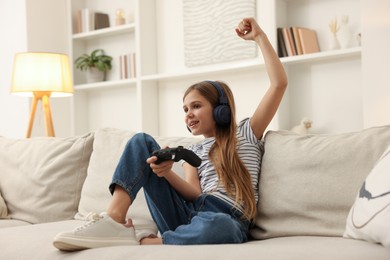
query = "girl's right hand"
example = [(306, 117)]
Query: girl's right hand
[(162, 169)]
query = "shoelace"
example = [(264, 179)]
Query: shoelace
[(93, 216), (91, 219)]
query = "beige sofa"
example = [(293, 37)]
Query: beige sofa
[(307, 187)]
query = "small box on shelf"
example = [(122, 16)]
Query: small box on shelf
[(101, 20)]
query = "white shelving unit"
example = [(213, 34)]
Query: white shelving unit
[(151, 102), (116, 102), (320, 84)]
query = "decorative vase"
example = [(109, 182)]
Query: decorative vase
[(345, 34), (120, 17), (335, 44), (95, 75)]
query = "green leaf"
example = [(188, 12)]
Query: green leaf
[(96, 58)]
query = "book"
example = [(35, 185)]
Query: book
[(133, 70), (282, 51), (127, 66), (296, 41), (298, 45), (308, 39), (86, 20), (101, 20), (291, 35), (288, 41), (78, 22)]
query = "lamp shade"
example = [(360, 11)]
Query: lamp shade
[(41, 72)]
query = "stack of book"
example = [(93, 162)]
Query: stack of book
[(127, 66), (87, 20), (296, 41)]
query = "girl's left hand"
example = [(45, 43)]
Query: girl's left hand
[(248, 29)]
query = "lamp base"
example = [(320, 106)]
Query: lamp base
[(44, 96)]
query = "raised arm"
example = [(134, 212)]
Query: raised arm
[(248, 29)]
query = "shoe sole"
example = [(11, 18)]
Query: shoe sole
[(74, 244)]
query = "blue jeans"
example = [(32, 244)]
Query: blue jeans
[(206, 220)]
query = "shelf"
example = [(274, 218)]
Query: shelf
[(106, 84), (323, 55), (227, 67), (106, 32), (254, 64), (207, 70)]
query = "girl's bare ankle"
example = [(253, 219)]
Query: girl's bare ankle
[(151, 240), (117, 217)]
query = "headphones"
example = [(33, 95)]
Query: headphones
[(221, 112)]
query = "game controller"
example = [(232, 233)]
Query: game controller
[(177, 154)]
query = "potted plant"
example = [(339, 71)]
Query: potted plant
[(96, 64)]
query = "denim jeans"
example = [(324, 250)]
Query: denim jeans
[(206, 220)]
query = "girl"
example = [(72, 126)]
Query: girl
[(216, 202)]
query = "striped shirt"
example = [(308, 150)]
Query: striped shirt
[(250, 150)]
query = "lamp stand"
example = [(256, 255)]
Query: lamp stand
[(44, 97)]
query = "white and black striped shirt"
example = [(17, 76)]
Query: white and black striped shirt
[(250, 150)]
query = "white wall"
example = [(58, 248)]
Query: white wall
[(13, 110), (323, 99), (33, 29), (376, 62)]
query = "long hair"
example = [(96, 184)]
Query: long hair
[(231, 171)]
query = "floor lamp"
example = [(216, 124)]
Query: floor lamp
[(41, 75)]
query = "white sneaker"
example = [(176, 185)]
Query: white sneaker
[(101, 231)]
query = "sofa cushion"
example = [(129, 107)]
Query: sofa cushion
[(308, 183), (35, 242), (41, 178), (369, 217), (6, 223), (108, 146), (3, 208)]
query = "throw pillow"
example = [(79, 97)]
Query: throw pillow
[(369, 217), (308, 183), (108, 146), (41, 178), (3, 208)]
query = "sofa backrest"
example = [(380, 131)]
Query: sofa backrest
[(307, 184)]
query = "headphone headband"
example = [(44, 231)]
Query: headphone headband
[(222, 97)]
